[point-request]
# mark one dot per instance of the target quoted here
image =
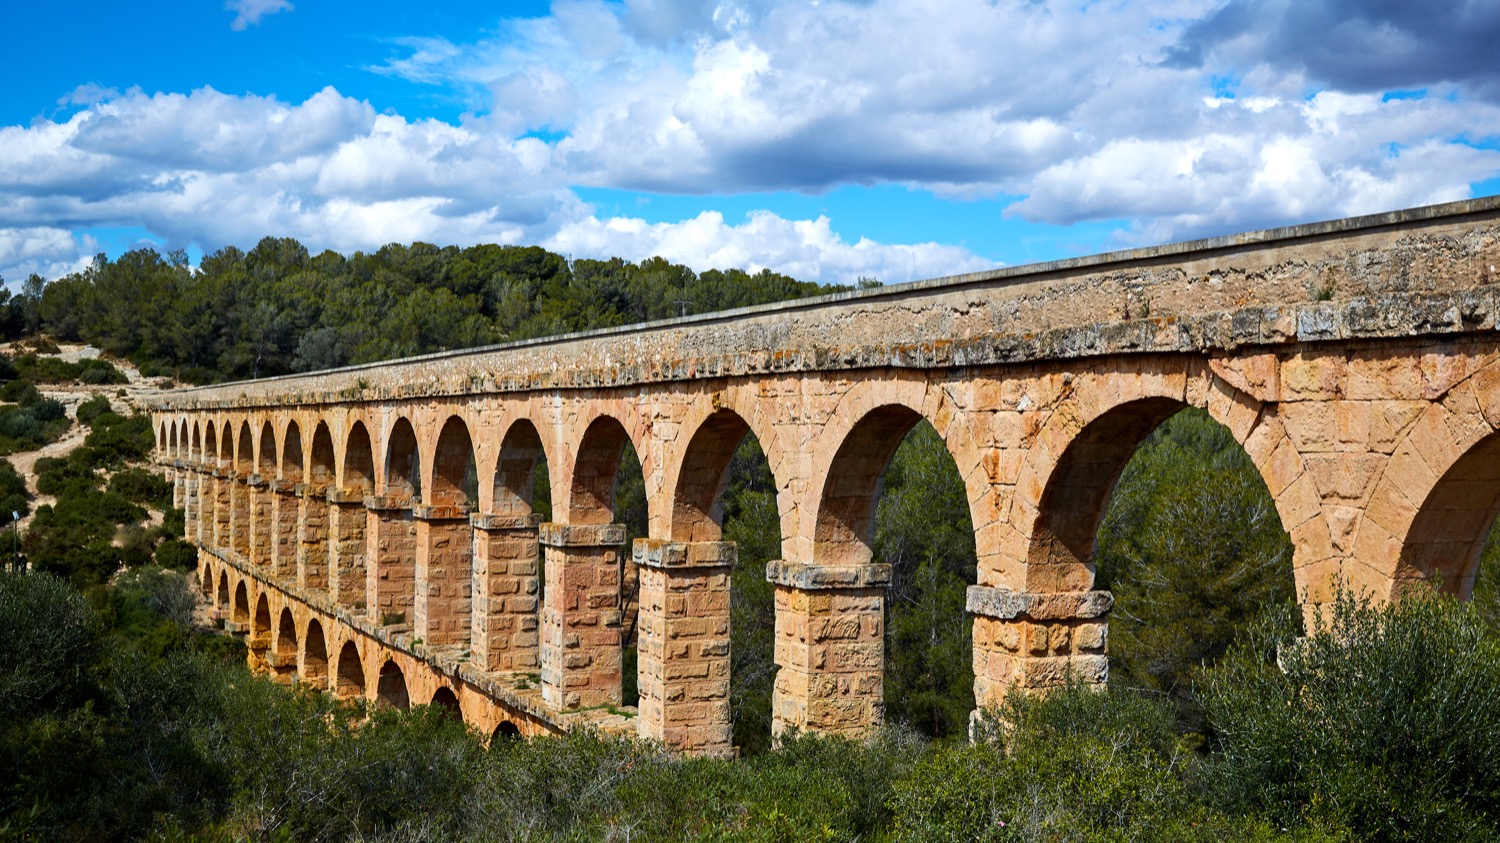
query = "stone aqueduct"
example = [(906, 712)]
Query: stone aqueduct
[(370, 529)]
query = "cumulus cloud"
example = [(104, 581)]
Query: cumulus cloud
[(1181, 117), (249, 12), (805, 249), (1354, 45)]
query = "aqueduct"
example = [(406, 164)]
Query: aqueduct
[(371, 529)]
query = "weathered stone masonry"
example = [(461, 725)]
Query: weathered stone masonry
[(1357, 362)]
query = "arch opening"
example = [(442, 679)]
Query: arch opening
[(321, 466), (1454, 522), (390, 691), (894, 495), (291, 454), (350, 681), (506, 731), (359, 462), (314, 670), (1186, 538), (455, 478), (445, 701), (725, 491), (403, 467), (265, 464), (520, 486), (241, 612)]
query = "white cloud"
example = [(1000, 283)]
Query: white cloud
[(249, 12), (1163, 113), (808, 250)]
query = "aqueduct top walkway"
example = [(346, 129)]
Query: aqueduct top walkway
[(1356, 361)]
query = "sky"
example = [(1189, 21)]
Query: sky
[(831, 141)]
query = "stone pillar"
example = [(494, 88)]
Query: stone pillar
[(190, 504), (261, 505), (223, 488), (258, 647), (445, 559), (179, 485), (390, 559), (312, 539), (505, 592), (1037, 640), (284, 511), (346, 550), (830, 647), (684, 645), (208, 495), (581, 632), (239, 515)]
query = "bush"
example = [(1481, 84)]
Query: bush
[(1383, 722), (1076, 764), (138, 485), (48, 409), (177, 555), (114, 440), (19, 392), (51, 640), (99, 372), (92, 409)]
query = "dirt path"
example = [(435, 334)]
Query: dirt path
[(135, 393)]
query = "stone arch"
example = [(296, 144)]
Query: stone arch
[(390, 690), (1127, 407), (1440, 520), (314, 670), (169, 437), (515, 469), (453, 474), (446, 701), (697, 508), (291, 453), (845, 526), (210, 445), (261, 624), (403, 464), (241, 612), (594, 473), (223, 592), (285, 665), (349, 682), (265, 464), (899, 403), (321, 464), (286, 634), (505, 731), (244, 457), (359, 462), (1061, 538), (226, 446), (195, 445)]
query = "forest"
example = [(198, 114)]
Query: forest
[(119, 718)]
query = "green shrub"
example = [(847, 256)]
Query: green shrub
[(19, 392), (1074, 764), (114, 440), (138, 485), (1383, 722), (99, 372), (177, 555), (50, 642), (92, 409), (48, 409)]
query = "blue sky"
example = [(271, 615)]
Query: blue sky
[(892, 139)]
